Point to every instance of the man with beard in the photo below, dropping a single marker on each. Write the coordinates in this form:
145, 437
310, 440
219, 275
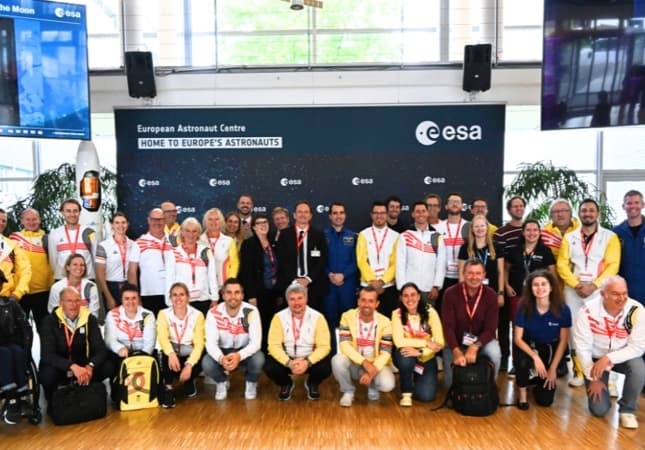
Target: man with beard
588, 255
245, 209
394, 221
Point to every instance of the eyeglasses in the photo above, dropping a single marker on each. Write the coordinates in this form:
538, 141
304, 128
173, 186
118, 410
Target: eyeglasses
560, 211
262, 222
379, 213
455, 202
156, 219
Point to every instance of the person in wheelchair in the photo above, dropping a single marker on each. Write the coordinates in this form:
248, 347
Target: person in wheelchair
72, 347
15, 354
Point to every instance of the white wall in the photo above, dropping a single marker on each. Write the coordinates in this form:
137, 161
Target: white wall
514, 86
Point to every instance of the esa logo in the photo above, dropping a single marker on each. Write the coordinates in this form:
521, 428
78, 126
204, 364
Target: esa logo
185, 209
428, 132
322, 209
358, 181
148, 183
259, 209
290, 182
214, 182
60, 13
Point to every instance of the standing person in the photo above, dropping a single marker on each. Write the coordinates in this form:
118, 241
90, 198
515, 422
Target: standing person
302, 252
180, 333
244, 210
393, 204
421, 256
418, 336
542, 326
113, 261
259, 272
299, 343
341, 269
14, 263
150, 261
507, 236
233, 340
280, 217
433, 202
76, 277
376, 257
33, 241
233, 228
587, 256
562, 222
480, 206
171, 226
469, 318
71, 237
609, 334
365, 350
631, 233
192, 264
224, 250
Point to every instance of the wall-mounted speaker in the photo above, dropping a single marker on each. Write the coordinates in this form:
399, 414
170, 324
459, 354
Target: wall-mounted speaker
477, 67
141, 74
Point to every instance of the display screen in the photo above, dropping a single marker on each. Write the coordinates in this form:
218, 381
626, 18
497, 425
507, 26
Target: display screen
44, 86
593, 72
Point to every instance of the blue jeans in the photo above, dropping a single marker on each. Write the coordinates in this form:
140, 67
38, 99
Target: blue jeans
422, 386
13, 367
251, 365
634, 370
491, 350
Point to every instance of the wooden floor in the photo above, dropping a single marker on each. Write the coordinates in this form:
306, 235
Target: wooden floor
267, 423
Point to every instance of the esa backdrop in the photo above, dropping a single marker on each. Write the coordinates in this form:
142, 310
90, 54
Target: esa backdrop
201, 158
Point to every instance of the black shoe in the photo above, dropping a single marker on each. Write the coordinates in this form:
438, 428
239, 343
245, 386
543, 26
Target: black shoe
503, 367
522, 405
313, 393
285, 391
12, 413
511, 373
167, 399
190, 390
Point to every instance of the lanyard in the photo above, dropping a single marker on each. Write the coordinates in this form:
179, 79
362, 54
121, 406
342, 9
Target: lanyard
192, 257
366, 339
296, 333
416, 333
213, 243
469, 312
611, 326
587, 243
527, 258
69, 339
269, 252
72, 247
183, 331
479, 254
379, 246
123, 248
453, 243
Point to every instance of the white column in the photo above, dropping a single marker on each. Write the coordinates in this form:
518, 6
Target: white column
134, 24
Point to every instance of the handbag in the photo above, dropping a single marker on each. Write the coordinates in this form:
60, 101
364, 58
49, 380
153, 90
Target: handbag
75, 404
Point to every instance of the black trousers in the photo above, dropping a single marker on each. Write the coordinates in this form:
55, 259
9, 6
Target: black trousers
154, 303
281, 375
37, 305
168, 375
51, 377
388, 301
523, 363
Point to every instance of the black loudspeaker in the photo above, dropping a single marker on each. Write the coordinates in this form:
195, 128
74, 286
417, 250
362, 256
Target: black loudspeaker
141, 74
477, 67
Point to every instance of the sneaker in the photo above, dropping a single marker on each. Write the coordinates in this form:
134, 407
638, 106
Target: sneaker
373, 394
577, 381
12, 412
251, 390
285, 391
406, 399
511, 373
628, 420
612, 384
313, 392
167, 399
346, 399
190, 390
221, 390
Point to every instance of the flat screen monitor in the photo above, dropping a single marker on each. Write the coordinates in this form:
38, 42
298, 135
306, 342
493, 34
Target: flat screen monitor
44, 86
593, 72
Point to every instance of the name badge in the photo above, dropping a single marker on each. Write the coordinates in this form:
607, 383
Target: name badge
585, 277
485, 281
315, 253
453, 267
194, 294
418, 368
469, 339
81, 330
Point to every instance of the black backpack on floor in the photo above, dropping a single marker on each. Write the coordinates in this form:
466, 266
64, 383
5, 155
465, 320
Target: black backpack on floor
474, 390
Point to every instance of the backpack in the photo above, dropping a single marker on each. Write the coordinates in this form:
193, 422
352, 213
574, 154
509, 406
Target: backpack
474, 390
138, 383
7, 318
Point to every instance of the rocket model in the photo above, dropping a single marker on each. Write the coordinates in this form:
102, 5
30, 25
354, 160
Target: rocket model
89, 187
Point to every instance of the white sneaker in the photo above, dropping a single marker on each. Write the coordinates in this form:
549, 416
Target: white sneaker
373, 393
628, 420
347, 399
221, 391
576, 381
406, 399
251, 391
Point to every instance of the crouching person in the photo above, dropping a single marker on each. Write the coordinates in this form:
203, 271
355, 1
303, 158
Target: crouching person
233, 339
365, 350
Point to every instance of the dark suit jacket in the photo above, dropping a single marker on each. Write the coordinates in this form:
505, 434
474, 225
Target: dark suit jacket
251, 273
287, 251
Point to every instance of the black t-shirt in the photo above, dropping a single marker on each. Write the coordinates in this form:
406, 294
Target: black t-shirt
483, 254
521, 265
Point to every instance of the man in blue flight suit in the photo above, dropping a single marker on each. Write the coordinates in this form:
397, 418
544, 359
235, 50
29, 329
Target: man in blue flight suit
341, 268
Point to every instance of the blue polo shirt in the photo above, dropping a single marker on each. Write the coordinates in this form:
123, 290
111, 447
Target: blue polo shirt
543, 328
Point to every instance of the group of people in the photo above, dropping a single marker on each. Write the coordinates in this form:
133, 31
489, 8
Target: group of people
294, 300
